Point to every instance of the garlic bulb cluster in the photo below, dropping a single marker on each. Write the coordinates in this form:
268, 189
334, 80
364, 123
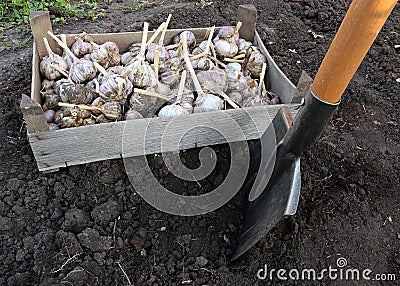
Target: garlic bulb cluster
52, 65
80, 47
97, 83
106, 54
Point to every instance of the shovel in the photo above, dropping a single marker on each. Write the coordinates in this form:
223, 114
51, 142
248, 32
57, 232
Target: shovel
278, 197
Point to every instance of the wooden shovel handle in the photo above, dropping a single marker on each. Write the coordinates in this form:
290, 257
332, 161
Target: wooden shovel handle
360, 27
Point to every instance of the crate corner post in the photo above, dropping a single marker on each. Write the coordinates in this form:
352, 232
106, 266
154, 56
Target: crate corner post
247, 14
33, 115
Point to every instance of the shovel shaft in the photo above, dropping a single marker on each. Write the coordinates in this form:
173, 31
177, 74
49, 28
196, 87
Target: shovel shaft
355, 36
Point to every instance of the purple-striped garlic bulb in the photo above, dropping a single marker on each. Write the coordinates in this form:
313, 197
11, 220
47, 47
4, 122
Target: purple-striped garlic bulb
53, 65
80, 47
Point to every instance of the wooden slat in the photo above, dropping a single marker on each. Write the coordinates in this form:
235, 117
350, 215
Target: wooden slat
40, 24
74, 146
247, 14
33, 115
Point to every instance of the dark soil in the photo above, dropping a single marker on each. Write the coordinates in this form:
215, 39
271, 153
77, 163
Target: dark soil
79, 225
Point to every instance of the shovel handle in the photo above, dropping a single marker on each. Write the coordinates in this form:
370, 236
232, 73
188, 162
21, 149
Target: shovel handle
360, 27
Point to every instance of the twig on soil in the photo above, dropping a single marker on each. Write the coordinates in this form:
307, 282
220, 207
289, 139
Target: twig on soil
123, 271
65, 263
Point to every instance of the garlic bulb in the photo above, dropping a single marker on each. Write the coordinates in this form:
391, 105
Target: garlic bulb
203, 63
244, 45
48, 63
51, 100
135, 48
209, 102
132, 114
164, 54
49, 115
47, 84
176, 108
256, 60
82, 70
200, 48
116, 88
170, 77
75, 93
237, 81
112, 110
229, 34
187, 100
80, 48
116, 70
128, 57
106, 54
190, 38
172, 110
214, 80
236, 97
142, 74
225, 48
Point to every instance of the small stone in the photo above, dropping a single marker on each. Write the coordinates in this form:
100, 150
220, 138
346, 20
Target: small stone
91, 239
27, 158
76, 220
107, 212
201, 261
14, 184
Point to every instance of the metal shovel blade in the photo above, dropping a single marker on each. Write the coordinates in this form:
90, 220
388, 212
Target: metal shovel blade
272, 197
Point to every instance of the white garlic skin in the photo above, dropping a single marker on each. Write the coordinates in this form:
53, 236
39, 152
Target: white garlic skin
226, 49
170, 77
237, 81
116, 88
244, 45
172, 110
255, 63
82, 71
142, 74
203, 63
190, 38
236, 97
46, 66
209, 102
80, 48
163, 53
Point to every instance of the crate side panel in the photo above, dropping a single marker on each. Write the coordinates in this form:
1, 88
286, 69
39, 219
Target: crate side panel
278, 81
74, 146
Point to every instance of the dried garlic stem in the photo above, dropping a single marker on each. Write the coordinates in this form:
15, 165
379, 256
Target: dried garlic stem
156, 33
240, 56
144, 38
60, 70
161, 42
156, 60
126, 72
205, 52
63, 45
230, 60
238, 25
100, 68
48, 49
228, 99
262, 75
181, 87
80, 106
214, 57
150, 93
189, 66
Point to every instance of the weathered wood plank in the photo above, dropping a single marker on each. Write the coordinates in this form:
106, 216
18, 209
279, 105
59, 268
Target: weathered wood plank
247, 14
73, 146
40, 24
33, 115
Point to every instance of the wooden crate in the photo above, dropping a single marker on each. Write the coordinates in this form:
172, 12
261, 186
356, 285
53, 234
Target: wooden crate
79, 145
